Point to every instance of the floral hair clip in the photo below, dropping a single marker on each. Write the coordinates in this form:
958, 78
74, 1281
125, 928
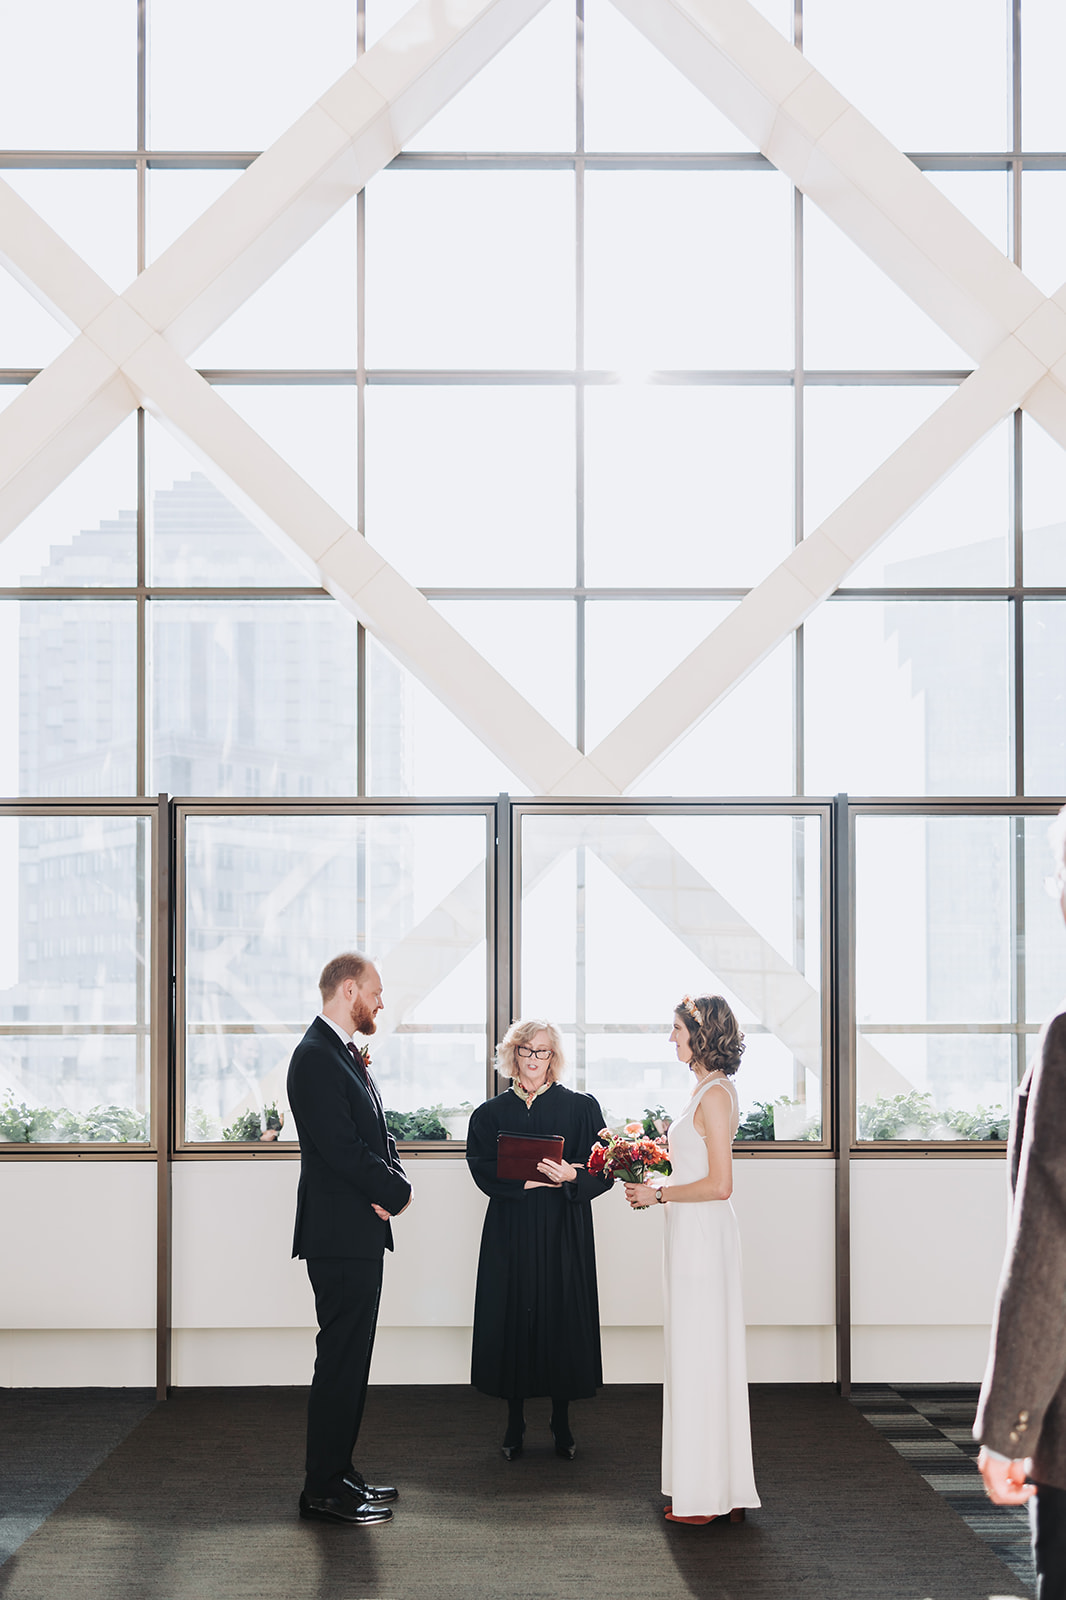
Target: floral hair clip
693, 1010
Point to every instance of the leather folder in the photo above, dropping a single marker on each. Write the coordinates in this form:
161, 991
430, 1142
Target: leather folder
517, 1154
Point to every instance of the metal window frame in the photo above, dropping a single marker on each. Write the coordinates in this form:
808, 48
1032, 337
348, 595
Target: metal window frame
154, 1028
187, 808
1007, 807
520, 809
1012, 161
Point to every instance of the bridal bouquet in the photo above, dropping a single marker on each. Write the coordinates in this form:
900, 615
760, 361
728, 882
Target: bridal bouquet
629, 1155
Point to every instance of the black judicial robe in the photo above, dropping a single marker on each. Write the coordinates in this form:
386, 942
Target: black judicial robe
536, 1309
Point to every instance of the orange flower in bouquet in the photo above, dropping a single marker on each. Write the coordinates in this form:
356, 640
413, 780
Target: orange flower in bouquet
629, 1155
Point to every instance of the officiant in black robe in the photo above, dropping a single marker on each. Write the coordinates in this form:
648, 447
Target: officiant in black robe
536, 1309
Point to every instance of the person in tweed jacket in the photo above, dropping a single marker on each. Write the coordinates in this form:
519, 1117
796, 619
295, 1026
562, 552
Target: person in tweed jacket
1021, 1416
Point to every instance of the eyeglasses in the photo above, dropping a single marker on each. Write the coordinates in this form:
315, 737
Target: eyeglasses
525, 1051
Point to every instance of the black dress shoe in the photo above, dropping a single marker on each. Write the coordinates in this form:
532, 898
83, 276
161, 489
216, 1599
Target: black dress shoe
343, 1508
375, 1494
510, 1449
565, 1448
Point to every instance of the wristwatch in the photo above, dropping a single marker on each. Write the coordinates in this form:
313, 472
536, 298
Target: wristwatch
660, 1197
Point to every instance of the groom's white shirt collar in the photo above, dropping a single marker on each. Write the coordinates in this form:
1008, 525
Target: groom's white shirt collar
345, 1038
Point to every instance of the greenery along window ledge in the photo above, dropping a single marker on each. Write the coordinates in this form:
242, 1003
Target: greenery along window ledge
24, 1124
911, 1117
429, 1123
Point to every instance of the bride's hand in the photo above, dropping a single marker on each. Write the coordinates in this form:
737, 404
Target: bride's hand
640, 1195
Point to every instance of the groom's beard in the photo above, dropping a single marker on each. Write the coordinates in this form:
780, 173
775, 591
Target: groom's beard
363, 1021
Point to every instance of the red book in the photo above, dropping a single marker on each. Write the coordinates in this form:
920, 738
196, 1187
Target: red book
517, 1154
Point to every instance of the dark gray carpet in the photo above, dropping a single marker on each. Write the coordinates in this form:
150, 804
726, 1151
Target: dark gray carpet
199, 1501
50, 1439
931, 1426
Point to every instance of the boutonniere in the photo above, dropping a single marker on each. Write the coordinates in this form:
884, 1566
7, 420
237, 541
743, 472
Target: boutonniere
363, 1053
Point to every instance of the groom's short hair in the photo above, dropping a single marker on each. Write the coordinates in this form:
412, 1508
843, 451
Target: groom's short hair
352, 964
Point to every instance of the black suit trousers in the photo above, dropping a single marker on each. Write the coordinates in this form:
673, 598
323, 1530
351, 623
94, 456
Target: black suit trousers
347, 1292
1047, 1519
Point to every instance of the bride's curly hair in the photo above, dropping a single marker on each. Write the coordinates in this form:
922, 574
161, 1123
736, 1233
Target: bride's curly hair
714, 1038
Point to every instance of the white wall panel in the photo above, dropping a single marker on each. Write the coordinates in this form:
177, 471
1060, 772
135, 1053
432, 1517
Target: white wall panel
77, 1273
927, 1240
919, 1355
232, 1245
77, 1248
77, 1358
926, 1248
787, 1231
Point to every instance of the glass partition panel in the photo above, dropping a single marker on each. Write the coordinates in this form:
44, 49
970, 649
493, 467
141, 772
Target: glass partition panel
493, 500
623, 913
416, 746
68, 76
469, 269
236, 76
664, 251
1045, 946
68, 697
702, 475
268, 899
1045, 688
943, 976
257, 697
75, 989
83, 534
924, 699
928, 77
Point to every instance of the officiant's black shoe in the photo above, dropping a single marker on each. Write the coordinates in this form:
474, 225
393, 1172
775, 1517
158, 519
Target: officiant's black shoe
376, 1494
565, 1447
509, 1448
343, 1508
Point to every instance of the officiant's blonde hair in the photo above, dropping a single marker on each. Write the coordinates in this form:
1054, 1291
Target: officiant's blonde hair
521, 1033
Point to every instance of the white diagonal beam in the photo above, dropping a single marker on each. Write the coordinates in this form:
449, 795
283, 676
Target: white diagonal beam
720, 936
757, 77
775, 607
341, 560
881, 200
351, 133
874, 194
354, 130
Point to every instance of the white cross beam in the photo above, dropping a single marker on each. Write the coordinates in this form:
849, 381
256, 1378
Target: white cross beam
918, 238
130, 347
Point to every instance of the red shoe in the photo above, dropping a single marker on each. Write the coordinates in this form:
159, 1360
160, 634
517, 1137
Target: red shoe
736, 1515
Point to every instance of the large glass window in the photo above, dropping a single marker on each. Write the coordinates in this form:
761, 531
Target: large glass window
75, 977
957, 963
269, 899
623, 913
583, 368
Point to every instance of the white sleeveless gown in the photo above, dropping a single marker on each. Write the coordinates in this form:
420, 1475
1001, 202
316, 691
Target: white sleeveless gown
707, 1467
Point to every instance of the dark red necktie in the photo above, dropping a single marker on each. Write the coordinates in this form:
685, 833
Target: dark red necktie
360, 1063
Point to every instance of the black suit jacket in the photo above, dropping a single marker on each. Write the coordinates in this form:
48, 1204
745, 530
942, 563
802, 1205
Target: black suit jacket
347, 1155
1022, 1410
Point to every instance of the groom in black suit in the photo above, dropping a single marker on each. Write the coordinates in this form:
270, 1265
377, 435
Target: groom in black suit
351, 1183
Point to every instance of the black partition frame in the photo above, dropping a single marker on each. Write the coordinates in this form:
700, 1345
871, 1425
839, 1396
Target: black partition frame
184, 810
821, 810
503, 819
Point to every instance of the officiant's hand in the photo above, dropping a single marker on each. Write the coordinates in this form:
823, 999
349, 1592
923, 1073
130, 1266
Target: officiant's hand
557, 1171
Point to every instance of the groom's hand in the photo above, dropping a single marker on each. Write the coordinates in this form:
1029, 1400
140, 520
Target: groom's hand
1005, 1482
382, 1213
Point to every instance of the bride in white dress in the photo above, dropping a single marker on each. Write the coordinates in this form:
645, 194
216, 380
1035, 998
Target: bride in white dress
707, 1467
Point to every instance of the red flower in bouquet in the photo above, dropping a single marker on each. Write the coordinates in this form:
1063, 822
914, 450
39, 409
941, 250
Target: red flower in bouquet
628, 1155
